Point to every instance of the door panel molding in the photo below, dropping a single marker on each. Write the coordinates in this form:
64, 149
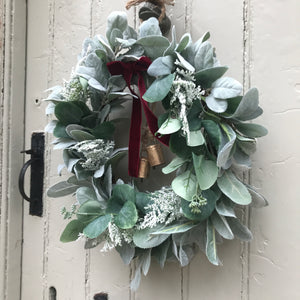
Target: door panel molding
12, 87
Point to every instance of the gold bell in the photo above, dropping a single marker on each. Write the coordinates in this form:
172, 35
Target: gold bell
143, 168
155, 155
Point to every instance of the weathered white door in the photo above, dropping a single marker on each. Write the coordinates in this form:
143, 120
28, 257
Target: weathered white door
52, 270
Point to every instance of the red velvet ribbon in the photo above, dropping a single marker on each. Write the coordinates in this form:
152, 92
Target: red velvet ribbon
128, 69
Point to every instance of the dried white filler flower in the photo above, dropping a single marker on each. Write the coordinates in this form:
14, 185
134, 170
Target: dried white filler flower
165, 207
185, 92
116, 236
73, 90
96, 152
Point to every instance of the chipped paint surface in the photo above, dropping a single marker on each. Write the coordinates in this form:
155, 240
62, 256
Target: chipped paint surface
261, 45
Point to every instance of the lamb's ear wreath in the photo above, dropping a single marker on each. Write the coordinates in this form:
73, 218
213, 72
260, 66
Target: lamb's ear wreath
204, 125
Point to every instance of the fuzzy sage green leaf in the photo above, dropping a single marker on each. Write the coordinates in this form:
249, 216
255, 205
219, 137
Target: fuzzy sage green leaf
159, 89
206, 171
234, 189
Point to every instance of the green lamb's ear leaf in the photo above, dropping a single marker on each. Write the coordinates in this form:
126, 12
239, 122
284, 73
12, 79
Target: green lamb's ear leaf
214, 132
161, 252
71, 127
161, 66
226, 87
178, 146
195, 138
225, 208
118, 20
176, 163
258, 200
126, 252
104, 131
50, 126
211, 244
206, 171
247, 145
150, 27
205, 78
80, 135
99, 173
205, 210
185, 185
171, 49
162, 118
68, 113
84, 108
116, 83
233, 104
176, 228
251, 130
96, 85
114, 36
97, 227
59, 131
144, 238
72, 231
127, 216
81, 173
84, 194
154, 45
101, 53
234, 189
241, 158
89, 121
215, 104
193, 116
239, 230
204, 58
248, 108
62, 143
204, 38
61, 189
159, 89
184, 63
184, 41
228, 140
170, 126
221, 225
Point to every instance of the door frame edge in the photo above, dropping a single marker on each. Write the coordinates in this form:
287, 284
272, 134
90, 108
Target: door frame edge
12, 111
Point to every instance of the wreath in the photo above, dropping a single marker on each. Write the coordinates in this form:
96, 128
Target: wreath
203, 124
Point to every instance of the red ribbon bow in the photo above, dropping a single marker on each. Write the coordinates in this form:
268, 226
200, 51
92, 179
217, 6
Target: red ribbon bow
128, 69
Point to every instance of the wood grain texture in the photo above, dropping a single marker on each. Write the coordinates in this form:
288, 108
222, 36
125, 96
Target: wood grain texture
12, 57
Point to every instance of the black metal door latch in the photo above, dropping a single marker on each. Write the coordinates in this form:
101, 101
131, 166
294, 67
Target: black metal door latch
36, 175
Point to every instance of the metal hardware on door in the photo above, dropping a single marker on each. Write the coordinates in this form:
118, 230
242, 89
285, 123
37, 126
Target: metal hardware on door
36, 163
101, 296
52, 293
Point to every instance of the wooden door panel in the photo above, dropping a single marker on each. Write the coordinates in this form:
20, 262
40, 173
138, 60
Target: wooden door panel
55, 34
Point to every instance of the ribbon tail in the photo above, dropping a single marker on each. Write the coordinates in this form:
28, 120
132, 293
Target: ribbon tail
135, 139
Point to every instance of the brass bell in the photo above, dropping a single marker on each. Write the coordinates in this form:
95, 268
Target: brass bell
155, 155
143, 168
